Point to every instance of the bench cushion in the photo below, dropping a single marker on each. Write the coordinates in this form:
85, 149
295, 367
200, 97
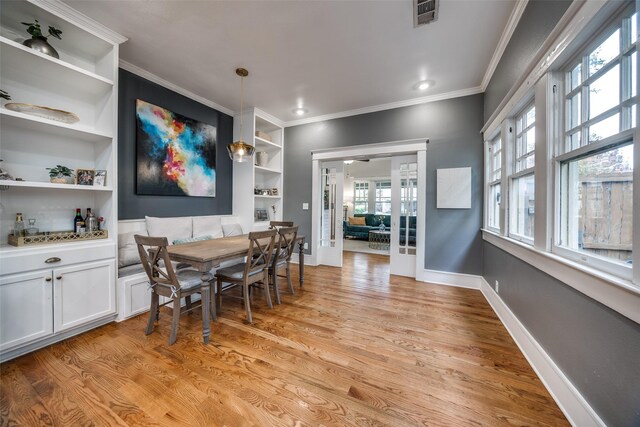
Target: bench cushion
207, 226
171, 228
232, 230
127, 249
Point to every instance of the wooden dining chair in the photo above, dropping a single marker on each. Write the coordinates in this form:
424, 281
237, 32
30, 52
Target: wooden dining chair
275, 225
285, 245
253, 272
166, 282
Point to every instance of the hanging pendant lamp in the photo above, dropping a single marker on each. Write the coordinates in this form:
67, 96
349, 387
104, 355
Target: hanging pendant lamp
240, 151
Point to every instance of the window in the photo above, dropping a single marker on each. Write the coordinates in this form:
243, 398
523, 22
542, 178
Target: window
494, 174
596, 156
409, 196
360, 197
522, 181
383, 198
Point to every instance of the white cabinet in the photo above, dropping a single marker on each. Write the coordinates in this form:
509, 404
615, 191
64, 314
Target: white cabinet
258, 186
83, 293
26, 308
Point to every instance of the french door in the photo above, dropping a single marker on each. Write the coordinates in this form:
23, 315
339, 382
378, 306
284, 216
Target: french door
405, 200
331, 191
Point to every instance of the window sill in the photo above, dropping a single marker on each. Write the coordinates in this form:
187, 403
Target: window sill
616, 293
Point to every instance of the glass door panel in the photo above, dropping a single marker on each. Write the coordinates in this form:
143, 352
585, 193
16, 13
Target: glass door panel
331, 190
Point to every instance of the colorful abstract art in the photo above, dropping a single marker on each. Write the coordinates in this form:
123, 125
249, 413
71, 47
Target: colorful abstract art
176, 154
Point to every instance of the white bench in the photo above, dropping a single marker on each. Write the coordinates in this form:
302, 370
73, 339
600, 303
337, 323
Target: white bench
133, 285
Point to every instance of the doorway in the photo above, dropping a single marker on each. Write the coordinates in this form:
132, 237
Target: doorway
402, 229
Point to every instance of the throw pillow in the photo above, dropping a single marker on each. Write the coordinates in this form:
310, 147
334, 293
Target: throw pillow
171, 228
357, 220
191, 239
232, 230
207, 226
127, 249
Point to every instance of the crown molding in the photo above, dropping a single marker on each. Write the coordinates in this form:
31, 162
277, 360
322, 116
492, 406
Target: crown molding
269, 117
162, 82
512, 23
81, 20
389, 106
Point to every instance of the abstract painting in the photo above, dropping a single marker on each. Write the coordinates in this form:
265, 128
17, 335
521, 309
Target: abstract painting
176, 154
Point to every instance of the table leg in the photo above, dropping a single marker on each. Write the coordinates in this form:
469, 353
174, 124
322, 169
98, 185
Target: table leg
206, 302
301, 261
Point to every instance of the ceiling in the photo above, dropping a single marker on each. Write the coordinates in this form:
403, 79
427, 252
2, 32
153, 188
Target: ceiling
325, 56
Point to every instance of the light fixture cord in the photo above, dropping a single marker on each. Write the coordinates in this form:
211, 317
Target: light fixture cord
241, 97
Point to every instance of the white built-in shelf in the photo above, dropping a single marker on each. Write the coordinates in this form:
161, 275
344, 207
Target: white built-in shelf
266, 143
89, 244
42, 125
260, 196
51, 185
38, 69
268, 170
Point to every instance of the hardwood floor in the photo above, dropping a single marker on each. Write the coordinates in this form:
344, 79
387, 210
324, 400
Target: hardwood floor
354, 347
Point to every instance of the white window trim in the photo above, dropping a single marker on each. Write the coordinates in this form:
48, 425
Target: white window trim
489, 156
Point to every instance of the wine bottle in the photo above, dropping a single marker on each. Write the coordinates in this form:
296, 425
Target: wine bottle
78, 222
18, 228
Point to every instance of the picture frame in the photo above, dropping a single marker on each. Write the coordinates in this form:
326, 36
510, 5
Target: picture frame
261, 214
85, 176
274, 192
100, 178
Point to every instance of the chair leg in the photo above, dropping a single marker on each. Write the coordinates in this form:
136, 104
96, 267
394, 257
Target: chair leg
175, 319
289, 278
267, 294
155, 305
247, 302
187, 300
274, 280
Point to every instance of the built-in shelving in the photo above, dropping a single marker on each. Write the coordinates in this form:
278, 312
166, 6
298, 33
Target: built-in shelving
53, 185
10, 118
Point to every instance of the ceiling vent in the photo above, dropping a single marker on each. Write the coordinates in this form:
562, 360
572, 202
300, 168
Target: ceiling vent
424, 12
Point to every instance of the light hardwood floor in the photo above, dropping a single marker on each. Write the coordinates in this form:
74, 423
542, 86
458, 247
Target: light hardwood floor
355, 347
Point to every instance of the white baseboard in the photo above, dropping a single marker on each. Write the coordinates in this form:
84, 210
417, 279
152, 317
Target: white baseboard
450, 279
571, 402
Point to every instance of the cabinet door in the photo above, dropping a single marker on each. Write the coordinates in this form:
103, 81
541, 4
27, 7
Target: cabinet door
26, 308
83, 293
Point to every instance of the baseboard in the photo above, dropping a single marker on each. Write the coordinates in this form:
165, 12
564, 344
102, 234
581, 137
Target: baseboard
308, 259
571, 402
450, 279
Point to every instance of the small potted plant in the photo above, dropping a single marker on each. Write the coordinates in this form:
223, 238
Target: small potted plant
61, 175
38, 41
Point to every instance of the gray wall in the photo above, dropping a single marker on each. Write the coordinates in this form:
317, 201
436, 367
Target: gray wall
537, 21
597, 348
132, 206
453, 241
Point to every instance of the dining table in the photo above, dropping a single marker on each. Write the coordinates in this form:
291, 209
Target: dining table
205, 255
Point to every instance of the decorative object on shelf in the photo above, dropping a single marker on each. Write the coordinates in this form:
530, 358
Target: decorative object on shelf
239, 151
274, 191
100, 178
60, 175
257, 191
5, 176
261, 214
56, 237
263, 135
18, 226
266, 192
38, 41
176, 154
274, 210
262, 158
44, 112
91, 222
381, 225
5, 95
32, 230
85, 176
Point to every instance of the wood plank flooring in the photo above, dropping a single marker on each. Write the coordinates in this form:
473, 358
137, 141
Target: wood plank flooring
355, 347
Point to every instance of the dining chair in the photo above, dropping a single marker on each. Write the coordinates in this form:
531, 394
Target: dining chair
274, 225
252, 272
165, 281
282, 258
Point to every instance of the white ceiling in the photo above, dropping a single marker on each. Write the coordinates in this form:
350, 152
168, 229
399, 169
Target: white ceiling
325, 56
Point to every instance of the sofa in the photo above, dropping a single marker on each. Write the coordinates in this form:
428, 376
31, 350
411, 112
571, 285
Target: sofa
372, 222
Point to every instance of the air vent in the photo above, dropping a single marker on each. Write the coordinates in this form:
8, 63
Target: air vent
424, 12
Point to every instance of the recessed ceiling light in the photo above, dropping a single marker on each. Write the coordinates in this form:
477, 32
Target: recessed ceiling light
423, 85
300, 111
348, 162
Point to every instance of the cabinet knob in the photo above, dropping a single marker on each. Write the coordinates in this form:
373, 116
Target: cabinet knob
52, 260
48, 279
59, 277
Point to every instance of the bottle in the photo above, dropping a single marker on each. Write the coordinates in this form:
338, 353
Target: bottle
90, 221
18, 228
78, 222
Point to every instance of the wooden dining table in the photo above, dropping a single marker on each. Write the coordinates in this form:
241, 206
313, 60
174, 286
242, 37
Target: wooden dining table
208, 254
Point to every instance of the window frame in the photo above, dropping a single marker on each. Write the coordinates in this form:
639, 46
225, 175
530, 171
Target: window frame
356, 199
496, 174
378, 186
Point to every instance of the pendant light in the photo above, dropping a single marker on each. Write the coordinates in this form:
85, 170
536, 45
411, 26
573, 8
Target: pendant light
240, 151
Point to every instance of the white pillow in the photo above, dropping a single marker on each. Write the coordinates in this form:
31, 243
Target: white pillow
171, 228
232, 230
127, 249
207, 226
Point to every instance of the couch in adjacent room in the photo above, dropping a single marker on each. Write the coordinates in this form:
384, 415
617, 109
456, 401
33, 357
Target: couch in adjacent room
359, 225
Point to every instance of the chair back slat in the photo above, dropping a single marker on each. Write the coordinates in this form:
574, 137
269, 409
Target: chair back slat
286, 244
274, 225
151, 251
261, 245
